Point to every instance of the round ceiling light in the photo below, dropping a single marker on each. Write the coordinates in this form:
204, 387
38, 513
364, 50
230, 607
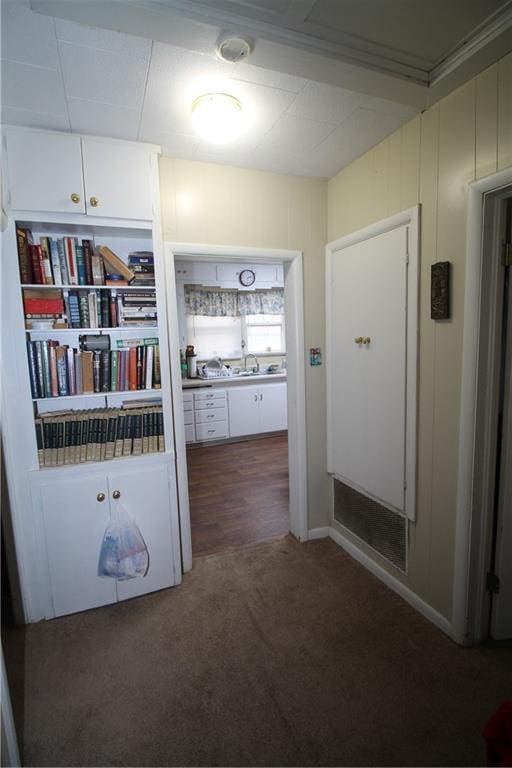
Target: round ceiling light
217, 117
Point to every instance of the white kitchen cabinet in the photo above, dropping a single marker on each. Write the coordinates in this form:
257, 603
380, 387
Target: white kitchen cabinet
117, 180
244, 414
273, 407
67, 173
264, 273
75, 516
74, 523
193, 271
45, 171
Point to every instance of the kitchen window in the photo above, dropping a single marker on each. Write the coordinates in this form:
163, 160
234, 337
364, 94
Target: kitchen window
215, 336
263, 334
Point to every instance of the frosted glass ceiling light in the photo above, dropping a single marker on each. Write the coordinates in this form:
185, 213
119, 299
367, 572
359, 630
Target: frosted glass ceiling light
217, 117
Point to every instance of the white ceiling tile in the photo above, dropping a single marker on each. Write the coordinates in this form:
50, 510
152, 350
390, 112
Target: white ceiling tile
102, 39
294, 135
50, 120
173, 144
361, 131
389, 107
261, 104
103, 119
323, 102
33, 88
251, 74
112, 78
28, 37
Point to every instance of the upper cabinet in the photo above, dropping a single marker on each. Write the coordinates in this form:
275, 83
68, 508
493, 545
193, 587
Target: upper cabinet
45, 171
67, 173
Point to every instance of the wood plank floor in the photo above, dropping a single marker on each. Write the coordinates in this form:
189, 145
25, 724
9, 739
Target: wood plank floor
238, 493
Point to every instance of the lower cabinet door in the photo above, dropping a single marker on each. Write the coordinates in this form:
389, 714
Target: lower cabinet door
74, 523
147, 496
273, 407
244, 416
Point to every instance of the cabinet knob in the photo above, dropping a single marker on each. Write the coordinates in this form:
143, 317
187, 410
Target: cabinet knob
116, 495
358, 340
366, 340
94, 202
100, 497
75, 198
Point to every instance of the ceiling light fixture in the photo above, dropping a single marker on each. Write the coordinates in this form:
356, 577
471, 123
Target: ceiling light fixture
217, 117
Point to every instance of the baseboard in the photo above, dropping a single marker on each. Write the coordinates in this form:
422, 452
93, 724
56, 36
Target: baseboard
393, 583
318, 533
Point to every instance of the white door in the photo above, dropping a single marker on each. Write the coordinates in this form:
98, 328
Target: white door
272, 400
74, 523
368, 365
147, 496
244, 416
501, 615
45, 171
117, 180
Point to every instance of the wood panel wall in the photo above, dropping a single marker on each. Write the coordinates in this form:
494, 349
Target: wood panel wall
431, 160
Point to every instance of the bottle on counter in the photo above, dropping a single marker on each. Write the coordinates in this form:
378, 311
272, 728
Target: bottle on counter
191, 359
183, 365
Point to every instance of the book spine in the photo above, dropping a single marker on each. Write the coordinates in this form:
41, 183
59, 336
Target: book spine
24, 241
37, 264
55, 260
157, 381
128, 435
46, 261
62, 373
118, 451
63, 262
70, 355
113, 309
140, 365
111, 435
145, 431
87, 372
132, 371
46, 369
149, 367
39, 440
114, 364
87, 251
161, 441
105, 370
69, 244
83, 307
137, 434
93, 311
78, 372
97, 370
32, 369
80, 264
39, 367
53, 369
85, 437
105, 309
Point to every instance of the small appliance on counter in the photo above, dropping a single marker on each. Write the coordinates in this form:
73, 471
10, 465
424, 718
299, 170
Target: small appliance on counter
214, 369
191, 358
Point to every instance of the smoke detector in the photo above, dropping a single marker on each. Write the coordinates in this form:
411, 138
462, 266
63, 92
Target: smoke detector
233, 49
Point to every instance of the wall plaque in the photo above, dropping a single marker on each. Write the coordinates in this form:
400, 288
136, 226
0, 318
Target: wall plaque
440, 291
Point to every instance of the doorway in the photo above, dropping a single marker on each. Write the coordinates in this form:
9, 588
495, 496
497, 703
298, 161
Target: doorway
291, 447
483, 583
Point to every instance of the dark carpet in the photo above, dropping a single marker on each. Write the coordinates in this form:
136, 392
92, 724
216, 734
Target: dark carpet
275, 654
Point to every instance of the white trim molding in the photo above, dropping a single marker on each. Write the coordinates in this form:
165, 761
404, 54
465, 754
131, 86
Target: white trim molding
296, 379
318, 533
466, 517
411, 219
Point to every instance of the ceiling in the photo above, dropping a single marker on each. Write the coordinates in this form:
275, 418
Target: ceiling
309, 114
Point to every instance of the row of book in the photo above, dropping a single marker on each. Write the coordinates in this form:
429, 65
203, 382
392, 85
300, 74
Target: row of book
67, 261
100, 434
91, 308
58, 370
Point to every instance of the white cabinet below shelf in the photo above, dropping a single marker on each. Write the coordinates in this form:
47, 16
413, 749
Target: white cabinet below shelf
74, 522
273, 407
257, 409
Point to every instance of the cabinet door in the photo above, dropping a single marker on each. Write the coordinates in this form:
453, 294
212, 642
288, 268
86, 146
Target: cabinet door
273, 405
118, 179
45, 171
145, 494
243, 411
74, 523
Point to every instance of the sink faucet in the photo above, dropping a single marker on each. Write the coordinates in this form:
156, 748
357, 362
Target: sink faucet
256, 368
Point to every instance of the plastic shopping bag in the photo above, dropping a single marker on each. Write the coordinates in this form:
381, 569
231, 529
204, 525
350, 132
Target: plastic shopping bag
124, 554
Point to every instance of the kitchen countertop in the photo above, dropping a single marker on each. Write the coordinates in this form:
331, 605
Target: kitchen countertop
229, 381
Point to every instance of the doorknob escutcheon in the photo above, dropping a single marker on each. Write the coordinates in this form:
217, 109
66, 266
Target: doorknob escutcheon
75, 197
94, 202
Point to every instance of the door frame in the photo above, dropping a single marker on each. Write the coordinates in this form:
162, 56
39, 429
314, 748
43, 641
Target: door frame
296, 374
472, 553
410, 218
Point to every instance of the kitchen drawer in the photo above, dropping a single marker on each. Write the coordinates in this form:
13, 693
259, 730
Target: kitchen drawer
202, 405
188, 406
189, 417
213, 431
190, 433
211, 394
188, 397
206, 415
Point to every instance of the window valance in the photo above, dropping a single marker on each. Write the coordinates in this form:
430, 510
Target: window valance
218, 302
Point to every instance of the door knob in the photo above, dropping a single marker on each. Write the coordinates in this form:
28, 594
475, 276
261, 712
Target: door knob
100, 497
358, 340
94, 202
116, 495
366, 340
75, 198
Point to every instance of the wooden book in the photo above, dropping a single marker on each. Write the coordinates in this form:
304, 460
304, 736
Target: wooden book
87, 373
114, 264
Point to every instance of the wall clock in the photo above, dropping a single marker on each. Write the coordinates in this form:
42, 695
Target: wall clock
247, 277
